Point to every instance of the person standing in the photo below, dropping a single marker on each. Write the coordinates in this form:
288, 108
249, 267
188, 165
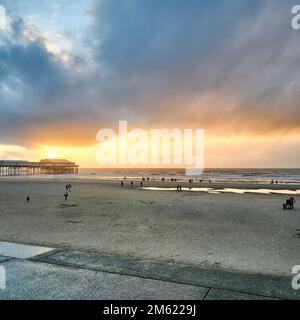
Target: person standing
66, 195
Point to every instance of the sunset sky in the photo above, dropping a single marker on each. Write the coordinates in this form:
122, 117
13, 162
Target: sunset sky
71, 67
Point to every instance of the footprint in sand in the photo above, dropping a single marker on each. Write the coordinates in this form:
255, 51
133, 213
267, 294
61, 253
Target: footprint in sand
74, 221
297, 235
65, 205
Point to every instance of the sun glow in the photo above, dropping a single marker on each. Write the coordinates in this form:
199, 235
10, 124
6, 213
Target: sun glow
51, 155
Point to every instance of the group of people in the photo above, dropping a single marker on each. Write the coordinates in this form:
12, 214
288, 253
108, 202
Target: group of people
131, 183
274, 181
66, 194
68, 189
289, 203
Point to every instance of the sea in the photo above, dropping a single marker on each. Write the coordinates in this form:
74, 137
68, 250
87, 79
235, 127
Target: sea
283, 176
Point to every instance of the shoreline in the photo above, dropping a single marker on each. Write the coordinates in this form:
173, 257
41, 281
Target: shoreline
159, 184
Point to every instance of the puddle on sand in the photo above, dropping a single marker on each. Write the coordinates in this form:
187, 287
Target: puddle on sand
227, 190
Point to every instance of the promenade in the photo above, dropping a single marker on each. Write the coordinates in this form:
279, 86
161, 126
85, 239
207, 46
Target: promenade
34, 272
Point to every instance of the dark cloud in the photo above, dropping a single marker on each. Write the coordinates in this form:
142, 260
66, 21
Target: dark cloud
226, 65
165, 59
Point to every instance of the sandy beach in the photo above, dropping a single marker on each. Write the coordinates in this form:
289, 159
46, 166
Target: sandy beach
248, 232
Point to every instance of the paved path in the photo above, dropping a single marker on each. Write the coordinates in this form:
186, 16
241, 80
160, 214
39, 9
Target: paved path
47, 273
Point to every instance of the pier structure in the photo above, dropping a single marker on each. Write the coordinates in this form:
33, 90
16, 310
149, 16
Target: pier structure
45, 166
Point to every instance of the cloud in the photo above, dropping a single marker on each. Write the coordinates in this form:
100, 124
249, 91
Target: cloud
230, 67
175, 57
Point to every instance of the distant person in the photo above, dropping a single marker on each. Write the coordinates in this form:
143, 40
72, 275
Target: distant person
276, 181
141, 184
28, 199
122, 184
66, 195
272, 182
131, 183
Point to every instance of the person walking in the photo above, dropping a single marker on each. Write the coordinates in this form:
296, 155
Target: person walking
66, 195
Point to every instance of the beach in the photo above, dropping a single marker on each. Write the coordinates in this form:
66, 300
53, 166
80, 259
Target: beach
247, 232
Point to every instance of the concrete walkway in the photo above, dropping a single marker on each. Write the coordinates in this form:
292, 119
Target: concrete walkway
47, 273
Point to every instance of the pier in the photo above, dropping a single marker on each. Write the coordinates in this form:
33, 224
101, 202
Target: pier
46, 166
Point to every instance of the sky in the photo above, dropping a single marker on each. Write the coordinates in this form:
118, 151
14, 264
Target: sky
71, 67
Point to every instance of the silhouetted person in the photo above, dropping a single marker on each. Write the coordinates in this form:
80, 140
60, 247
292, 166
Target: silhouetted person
289, 204
28, 199
122, 184
66, 195
131, 183
141, 184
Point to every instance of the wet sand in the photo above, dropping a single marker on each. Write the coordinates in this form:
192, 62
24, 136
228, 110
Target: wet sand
247, 232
